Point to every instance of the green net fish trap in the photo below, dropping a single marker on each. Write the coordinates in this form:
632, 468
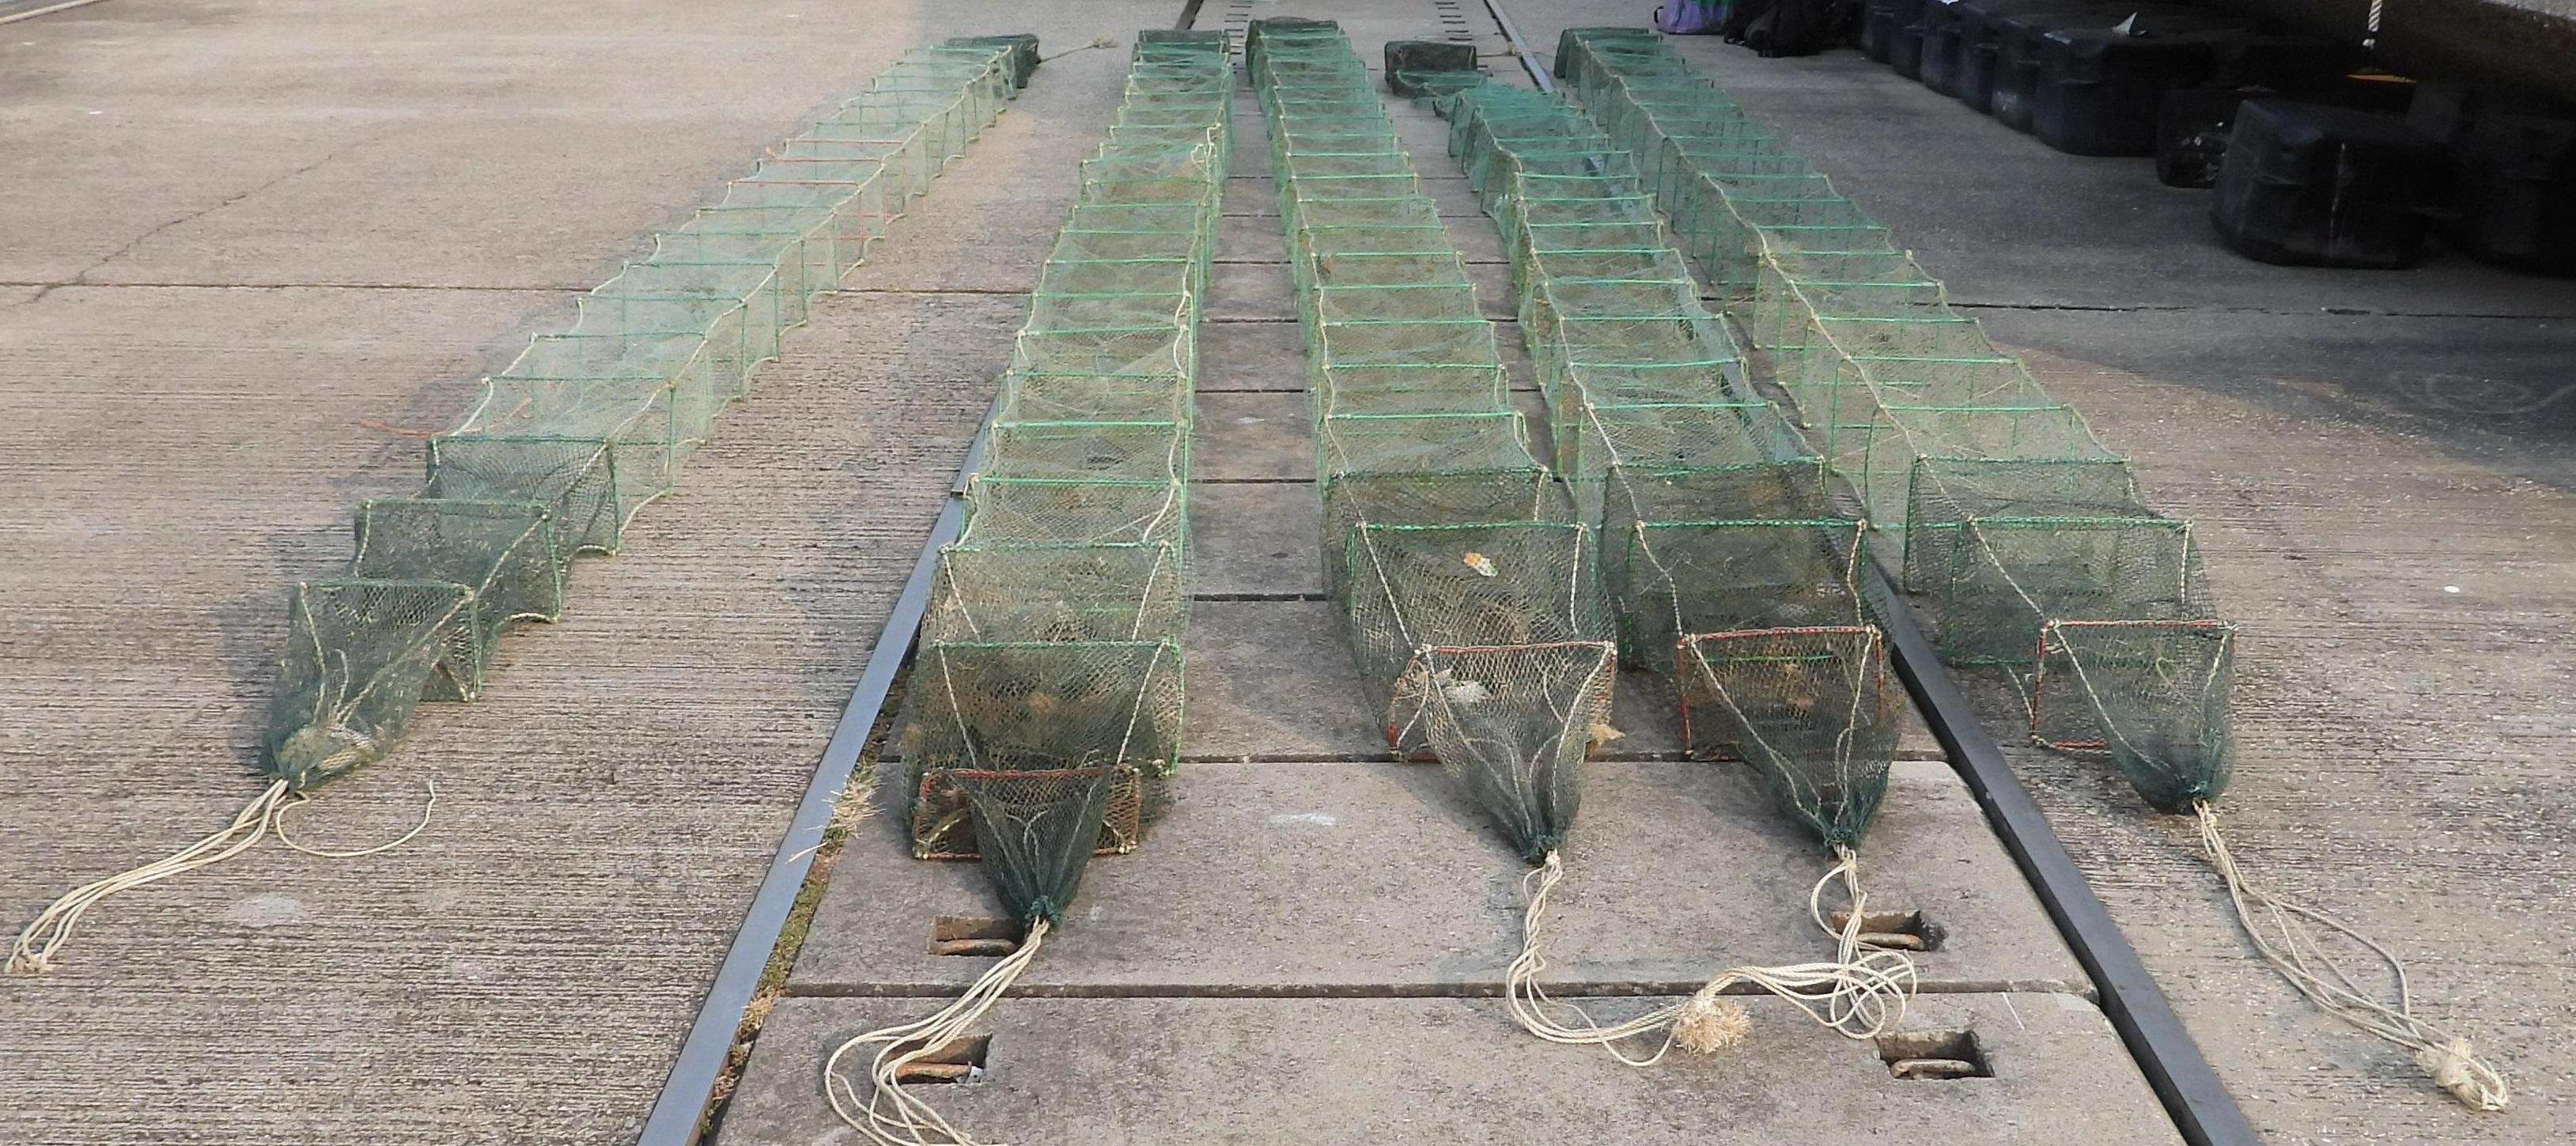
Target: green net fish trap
2023, 538
569, 441
1050, 658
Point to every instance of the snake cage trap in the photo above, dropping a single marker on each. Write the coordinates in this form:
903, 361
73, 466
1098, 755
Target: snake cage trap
1050, 659
2023, 539
1727, 573
569, 441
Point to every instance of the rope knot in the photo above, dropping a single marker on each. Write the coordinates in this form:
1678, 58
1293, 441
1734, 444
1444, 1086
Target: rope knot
1710, 1022
2455, 1067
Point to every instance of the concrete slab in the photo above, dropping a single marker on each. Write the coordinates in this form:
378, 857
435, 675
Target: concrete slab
1255, 540
1383, 879
1252, 353
1273, 680
1252, 437
2494, 394
1126, 1072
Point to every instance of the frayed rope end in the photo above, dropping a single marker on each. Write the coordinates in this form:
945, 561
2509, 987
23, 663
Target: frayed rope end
2455, 1067
1710, 1023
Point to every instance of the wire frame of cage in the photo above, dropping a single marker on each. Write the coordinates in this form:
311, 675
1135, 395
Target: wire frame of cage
2153, 695
1471, 600
590, 423
1051, 669
1734, 579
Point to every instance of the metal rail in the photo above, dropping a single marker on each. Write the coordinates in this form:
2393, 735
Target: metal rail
683, 1100
2173, 1065
2181, 1077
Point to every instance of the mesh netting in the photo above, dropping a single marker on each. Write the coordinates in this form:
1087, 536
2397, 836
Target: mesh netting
1049, 669
1733, 575
591, 422
2022, 534
1472, 595
566, 444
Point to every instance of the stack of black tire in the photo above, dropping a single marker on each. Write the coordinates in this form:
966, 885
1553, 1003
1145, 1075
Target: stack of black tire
2313, 159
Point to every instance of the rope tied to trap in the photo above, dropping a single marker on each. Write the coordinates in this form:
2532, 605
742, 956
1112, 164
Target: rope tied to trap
1859, 995
264, 816
890, 1115
2273, 924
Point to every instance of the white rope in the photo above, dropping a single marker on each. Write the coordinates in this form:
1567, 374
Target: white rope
33, 953
2304, 963
891, 1116
2372, 40
277, 824
264, 815
1859, 996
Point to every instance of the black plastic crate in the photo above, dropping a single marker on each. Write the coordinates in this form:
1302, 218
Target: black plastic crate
1939, 70
2023, 42
2325, 186
1980, 34
1905, 37
2100, 90
1879, 20
2193, 125
2018, 40
2516, 201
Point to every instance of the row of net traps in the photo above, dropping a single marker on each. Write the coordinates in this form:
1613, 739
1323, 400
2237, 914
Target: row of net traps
579, 432
1488, 598
1048, 676
2022, 536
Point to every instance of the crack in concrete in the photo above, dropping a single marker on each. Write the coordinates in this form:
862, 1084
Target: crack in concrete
55, 284
81, 277
2309, 312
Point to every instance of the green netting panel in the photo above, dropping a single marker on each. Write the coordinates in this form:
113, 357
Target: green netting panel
591, 422
1038, 511
2010, 575
1473, 604
1717, 550
588, 497
1944, 494
1093, 593
2153, 694
1050, 672
1486, 640
1420, 388
1039, 705
1099, 450
505, 553
1524, 492
359, 655
1813, 710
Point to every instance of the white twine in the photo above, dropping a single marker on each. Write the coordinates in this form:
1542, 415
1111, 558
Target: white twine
2305, 964
892, 1116
265, 814
1858, 996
